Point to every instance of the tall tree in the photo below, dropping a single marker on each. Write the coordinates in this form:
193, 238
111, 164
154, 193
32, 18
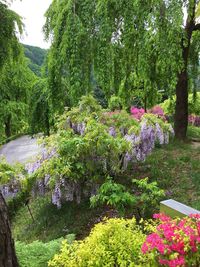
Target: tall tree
10, 23
181, 110
16, 81
9, 45
7, 252
40, 107
128, 46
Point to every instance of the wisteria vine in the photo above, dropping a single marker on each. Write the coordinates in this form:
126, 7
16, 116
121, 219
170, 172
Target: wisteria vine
91, 145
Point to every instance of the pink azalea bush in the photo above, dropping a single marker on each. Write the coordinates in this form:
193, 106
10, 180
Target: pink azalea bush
137, 113
157, 110
194, 120
176, 242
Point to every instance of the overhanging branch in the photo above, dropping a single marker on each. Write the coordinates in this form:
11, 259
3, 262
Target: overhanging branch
196, 27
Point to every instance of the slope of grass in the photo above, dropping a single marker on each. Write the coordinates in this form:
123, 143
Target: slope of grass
51, 223
176, 168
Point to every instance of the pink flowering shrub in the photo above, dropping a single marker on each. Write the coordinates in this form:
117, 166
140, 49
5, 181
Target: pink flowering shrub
137, 113
157, 110
194, 120
176, 242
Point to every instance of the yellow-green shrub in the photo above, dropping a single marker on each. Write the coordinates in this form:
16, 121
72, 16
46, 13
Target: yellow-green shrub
114, 242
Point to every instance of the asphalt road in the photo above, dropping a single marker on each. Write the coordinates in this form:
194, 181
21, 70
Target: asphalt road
21, 150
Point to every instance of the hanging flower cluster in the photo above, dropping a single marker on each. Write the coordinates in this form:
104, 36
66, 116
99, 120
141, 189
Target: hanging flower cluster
45, 154
90, 144
176, 242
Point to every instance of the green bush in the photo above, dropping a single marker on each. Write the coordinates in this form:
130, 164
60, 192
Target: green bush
37, 254
118, 196
115, 103
114, 242
193, 105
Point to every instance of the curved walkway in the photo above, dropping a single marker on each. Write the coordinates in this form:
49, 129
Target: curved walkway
21, 150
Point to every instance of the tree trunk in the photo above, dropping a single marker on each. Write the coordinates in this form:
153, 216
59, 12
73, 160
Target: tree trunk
8, 126
181, 110
7, 251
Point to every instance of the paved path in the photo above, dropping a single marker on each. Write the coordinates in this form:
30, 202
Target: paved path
20, 150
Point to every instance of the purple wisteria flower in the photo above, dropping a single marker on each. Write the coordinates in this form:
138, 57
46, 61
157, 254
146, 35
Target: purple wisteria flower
56, 195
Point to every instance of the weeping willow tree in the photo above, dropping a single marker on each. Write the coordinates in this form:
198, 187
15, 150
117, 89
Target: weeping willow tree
10, 23
9, 48
15, 84
130, 47
40, 107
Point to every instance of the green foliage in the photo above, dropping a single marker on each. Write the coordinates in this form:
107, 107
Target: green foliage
100, 96
121, 46
193, 105
15, 78
40, 108
194, 132
92, 155
15, 84
114, 195
91, 145
10, 23
37, 58
148, 197
115, 103
35, 54
37, 253
9, 173
115, 242
144, 196
198, 10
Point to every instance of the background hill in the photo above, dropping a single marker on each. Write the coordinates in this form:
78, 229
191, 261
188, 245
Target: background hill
37, 57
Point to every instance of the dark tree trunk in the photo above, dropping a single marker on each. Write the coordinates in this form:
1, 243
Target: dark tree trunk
181, 110
8, 126
7, 251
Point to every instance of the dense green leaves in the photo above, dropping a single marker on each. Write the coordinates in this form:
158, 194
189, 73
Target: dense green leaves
9, 45
40, 107
37, 58
122, 44
114, 242
15, 84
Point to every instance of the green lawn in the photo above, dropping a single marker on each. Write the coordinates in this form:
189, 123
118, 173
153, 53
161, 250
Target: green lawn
52, 223
176, 168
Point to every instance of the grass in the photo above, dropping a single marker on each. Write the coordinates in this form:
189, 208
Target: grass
52, 223
176, 168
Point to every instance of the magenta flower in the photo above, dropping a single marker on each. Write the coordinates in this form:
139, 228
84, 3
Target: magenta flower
176, 242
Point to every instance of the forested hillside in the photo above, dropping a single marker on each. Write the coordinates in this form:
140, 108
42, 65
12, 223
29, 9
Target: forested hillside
37, 57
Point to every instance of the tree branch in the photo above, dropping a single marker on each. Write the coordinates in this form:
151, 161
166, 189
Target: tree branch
196, 27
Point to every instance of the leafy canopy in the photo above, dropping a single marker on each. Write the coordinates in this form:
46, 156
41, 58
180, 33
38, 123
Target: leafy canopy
119, 44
